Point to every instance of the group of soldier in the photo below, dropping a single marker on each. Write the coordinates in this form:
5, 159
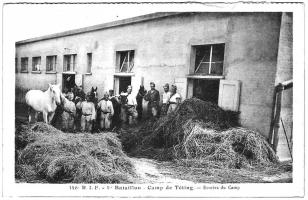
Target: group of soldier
81, 112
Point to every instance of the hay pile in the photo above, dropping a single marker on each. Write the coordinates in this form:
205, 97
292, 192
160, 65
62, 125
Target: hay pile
169, 130
202, 133
233, 148
45, 154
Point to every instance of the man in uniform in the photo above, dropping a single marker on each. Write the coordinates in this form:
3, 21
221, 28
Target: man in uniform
79, 97
106, 112
175, 99
165, 100
153, 101
131, 106
69, 112
88, 113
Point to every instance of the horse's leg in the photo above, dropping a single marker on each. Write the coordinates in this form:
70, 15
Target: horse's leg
29, 114
35, 114
50, 117
45, 117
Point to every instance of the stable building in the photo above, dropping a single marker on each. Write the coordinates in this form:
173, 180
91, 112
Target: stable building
232, 59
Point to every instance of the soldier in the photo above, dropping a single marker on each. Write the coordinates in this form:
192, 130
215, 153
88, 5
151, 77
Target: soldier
69, 112
165, 100
175, 99
131, 106
153, 97
106, 108
88, 113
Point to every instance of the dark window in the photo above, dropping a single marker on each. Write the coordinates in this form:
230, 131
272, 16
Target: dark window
89, 62
51, 62
24, 64
126, 60
124, 82
36, 63
209, 59
69, 62
206, 89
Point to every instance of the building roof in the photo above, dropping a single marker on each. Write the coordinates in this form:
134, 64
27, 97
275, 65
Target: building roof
112, 24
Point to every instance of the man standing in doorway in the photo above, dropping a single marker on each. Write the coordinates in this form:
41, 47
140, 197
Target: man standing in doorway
131, 106
106, 108
165, 101
153, 97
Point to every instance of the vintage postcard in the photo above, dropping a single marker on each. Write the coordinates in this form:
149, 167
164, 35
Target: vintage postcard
153, 99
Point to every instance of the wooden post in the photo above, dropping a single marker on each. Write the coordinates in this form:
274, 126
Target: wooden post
277, 117
270, 135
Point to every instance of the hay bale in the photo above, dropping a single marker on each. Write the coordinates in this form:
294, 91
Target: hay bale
25, 173
169, 130
232, 148
26, 133
59, 157
202, 133
23, 136
83, 169
44, 128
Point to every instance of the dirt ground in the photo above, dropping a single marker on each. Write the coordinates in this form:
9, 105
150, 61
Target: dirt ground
153, 171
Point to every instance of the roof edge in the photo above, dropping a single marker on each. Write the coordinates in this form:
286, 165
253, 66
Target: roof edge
111, 24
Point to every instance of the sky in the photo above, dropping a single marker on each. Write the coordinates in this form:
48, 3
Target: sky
28, 21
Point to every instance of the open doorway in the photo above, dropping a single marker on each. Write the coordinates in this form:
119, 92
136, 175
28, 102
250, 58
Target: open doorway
68, 82
123, 83
206, 90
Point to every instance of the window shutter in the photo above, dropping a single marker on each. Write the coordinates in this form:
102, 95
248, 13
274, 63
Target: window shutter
79, 79
229, 95
59, 78
116, 85
72, 67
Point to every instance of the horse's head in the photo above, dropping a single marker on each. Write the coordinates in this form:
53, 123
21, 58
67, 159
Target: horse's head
94, 92
55, 92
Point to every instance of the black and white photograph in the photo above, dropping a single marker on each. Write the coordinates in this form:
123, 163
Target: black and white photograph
135, 97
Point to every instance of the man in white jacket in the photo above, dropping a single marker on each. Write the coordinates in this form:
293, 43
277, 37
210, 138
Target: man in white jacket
88, 113
106, 109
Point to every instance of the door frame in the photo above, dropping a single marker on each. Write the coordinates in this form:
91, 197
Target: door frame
116, 80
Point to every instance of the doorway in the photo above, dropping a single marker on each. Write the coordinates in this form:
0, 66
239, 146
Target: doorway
206, 90
68, 82
123, 83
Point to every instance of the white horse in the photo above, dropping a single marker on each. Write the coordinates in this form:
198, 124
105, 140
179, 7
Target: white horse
45, 102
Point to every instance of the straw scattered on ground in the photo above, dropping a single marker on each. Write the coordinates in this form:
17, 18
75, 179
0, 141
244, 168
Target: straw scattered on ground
45, 154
